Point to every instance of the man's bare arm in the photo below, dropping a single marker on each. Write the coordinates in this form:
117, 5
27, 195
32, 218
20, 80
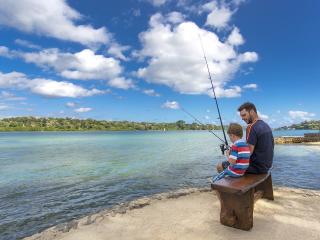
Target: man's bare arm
251, 147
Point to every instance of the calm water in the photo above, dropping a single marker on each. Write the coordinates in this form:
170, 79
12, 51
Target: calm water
51, 178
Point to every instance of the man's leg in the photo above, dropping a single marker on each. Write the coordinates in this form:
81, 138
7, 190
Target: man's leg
252, 169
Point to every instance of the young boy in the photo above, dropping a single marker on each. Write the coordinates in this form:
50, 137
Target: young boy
238, 155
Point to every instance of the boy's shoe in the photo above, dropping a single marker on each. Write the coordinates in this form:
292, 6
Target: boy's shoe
210, 180
211, 183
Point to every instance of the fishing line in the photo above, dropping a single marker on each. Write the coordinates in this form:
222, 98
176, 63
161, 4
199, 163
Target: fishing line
224, 146
200, 123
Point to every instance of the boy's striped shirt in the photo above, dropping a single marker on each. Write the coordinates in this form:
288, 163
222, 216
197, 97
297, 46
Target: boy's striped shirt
241, 153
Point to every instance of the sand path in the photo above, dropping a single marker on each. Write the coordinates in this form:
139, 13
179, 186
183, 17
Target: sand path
294, 215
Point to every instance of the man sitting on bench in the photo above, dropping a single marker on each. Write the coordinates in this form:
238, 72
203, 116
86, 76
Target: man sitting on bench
259, 138
237, 196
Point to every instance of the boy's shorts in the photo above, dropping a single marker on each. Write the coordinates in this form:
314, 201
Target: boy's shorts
225, 164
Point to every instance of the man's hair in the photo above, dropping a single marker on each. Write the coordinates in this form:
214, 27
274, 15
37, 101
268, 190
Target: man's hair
236, 129
247, 106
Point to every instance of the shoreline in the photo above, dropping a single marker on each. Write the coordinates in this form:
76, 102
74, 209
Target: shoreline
181, 214
307, 138
302, 143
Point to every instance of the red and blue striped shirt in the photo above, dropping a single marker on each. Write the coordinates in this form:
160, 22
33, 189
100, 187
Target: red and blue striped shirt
240, 152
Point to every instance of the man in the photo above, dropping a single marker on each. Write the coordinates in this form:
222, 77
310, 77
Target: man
259, 138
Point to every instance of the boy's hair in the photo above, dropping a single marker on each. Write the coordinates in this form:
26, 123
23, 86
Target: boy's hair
236, 129
247, 106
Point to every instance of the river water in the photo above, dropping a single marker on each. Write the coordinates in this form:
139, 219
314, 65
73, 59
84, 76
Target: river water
47, 178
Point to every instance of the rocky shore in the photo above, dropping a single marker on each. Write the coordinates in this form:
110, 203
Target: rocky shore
194, 214
313, 138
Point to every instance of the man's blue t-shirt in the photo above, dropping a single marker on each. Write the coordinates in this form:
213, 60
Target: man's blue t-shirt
260, 135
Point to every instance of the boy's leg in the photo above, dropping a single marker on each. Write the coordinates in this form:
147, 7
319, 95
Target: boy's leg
222, 166
220, 175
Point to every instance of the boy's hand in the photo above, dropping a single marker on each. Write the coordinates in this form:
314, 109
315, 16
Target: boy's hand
231, 161
228, 153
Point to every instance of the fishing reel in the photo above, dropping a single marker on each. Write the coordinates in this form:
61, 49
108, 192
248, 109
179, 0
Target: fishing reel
223, 148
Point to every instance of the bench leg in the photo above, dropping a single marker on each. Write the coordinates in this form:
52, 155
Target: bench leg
267, 188
237, 210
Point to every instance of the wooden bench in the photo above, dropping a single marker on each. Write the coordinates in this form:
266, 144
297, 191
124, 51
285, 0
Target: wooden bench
238, 195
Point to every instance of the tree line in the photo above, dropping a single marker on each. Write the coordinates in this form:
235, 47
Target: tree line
307, 125
70, 124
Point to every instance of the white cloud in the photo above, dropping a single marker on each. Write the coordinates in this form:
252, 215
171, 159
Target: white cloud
220, 12
83, 110
27, 44
172, 18
3, 107
251, 86
235, 38
238, 2
121, 82
219, 16
44, 87
52, 18
5, 52
248, 57
189, 6
71, 104
13, 80
175, 17
234, 91
50, 88
117, 50
151, 92
158, 3
175, 58
296, 115
7, 96
83, 65
263, 116
209, 6
171, 105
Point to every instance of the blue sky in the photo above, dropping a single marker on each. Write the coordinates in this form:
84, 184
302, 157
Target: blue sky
141, 60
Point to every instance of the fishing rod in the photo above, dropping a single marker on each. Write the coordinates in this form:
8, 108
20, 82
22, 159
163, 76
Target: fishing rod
225, 145
200, 123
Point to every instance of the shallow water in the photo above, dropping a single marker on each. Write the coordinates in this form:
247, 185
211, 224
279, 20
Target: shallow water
50, 178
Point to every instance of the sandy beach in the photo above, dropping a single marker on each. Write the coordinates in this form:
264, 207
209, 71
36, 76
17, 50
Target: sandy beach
194, 214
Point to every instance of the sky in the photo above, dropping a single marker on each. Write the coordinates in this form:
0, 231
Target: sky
142, 60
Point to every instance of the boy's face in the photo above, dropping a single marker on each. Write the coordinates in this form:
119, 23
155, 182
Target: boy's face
233, 137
